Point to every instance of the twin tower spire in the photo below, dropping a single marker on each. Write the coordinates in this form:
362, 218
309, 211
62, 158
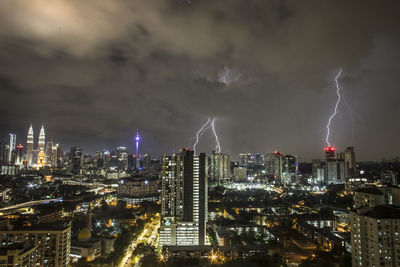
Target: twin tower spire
41, 156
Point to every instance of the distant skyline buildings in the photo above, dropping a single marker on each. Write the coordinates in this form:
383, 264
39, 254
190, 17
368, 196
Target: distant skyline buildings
220, 167
150, 147
12, 146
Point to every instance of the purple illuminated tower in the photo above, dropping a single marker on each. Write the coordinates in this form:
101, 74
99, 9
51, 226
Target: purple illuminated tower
137, 139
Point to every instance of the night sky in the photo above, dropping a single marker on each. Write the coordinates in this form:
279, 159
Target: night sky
94, 71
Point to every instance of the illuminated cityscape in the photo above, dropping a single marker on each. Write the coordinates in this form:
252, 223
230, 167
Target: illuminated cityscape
268, 133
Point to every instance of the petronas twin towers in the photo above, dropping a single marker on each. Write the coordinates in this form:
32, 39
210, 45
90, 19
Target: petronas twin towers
41, 155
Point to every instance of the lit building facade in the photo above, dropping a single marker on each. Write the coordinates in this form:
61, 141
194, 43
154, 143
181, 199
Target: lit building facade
29, 147
41, 160
375, 236
51, 241
136, 190
318, 171
245, 159
57, 156
273, 163
220, 167
11, 148
350, 162
49, 153
122, 159
240, 174
289, 170
184, 199
75, 159
19, 160
334, 166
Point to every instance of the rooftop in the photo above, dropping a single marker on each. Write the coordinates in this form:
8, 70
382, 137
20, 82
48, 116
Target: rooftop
369, 190
383, 212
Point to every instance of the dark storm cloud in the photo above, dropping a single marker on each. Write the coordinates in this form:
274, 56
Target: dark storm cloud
94, 71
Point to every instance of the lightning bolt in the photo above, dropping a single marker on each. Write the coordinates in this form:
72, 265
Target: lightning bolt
200, 133
216, 136
336, 106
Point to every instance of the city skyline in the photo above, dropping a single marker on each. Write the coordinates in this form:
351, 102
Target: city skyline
172, 133
208, 146
264, 69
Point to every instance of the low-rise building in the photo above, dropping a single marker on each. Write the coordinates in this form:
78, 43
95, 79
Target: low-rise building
136, 190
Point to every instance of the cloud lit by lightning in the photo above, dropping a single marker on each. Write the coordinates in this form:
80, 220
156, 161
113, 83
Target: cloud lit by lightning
228, 76
336, 107
218, 147
199, 133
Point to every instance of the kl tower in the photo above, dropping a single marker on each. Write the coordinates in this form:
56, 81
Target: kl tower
137, 139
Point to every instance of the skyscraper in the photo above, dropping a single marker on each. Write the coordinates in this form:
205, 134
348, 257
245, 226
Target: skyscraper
132, 162
5, 150
18, 155
122, 158
57, 156
11, 148
334, 166
75, 159
146, 162
41, 140
273, 163
318, 171
220, 167
289, 169
29, 147
350, 162
49, 153
184, 199
41, 160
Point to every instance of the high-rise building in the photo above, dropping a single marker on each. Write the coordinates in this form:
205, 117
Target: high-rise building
4, 152
318, 171
289, 169
41, 158
57, 156
106, 159
273, 163
122, 158
29, 147
334, 166
350, 162
245, 159
132, 162
42, 140
184, 199
51, 242
19, 155
220, 167
11, 148
375, 236
49, 153
75, 159
146, 162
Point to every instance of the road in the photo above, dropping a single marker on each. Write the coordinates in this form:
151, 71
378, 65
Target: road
144, 237
31, 203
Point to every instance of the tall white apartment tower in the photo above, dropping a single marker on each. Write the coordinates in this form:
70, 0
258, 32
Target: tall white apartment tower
184, 199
